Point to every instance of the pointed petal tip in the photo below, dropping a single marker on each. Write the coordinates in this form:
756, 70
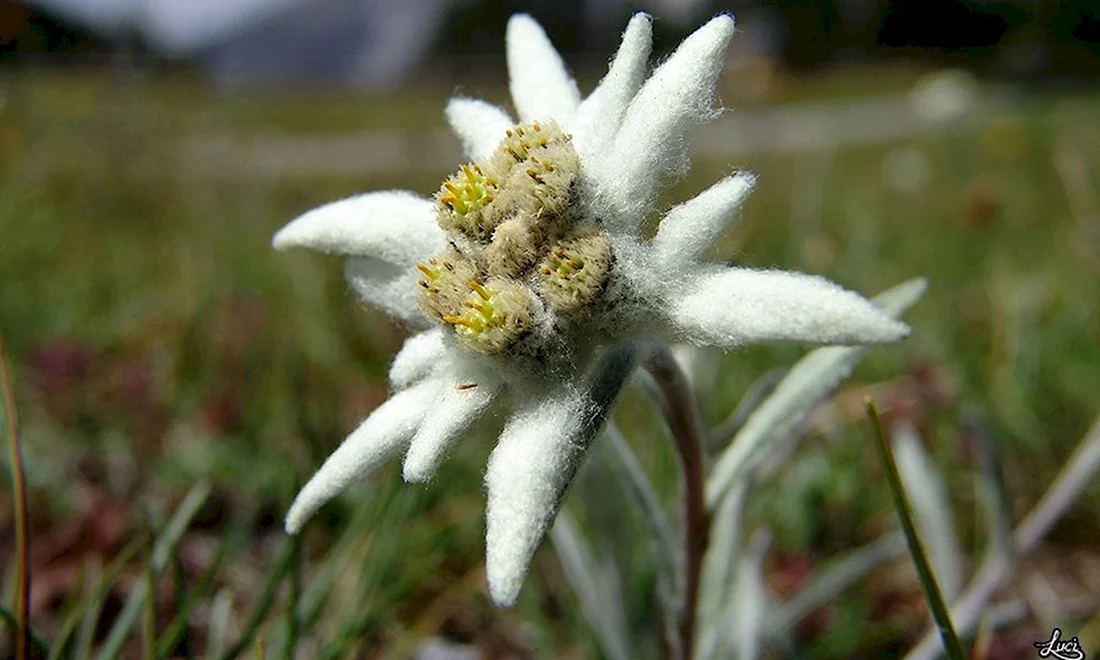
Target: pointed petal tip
417, 470
725, 19
297, 516
638, 34
879, 327
504, 593
304, 230
520, 22
640, 21
723, 24
506, 564
901, 331
316, 493
717, 31
285, 238
874, 327
478, 124
540, 84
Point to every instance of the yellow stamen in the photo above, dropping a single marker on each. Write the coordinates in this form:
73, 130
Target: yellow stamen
463, 197
431, 273
480, 290
469, 322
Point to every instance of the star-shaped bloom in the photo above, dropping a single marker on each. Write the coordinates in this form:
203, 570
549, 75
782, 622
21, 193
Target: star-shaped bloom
529, 280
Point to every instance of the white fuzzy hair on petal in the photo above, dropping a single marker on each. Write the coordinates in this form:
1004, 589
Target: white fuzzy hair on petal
679, 95
541, 87
528, 471
479, 125
688, 229
394, 226
384, 434
730, 307
599, 115
463, 399
418, 357
533, 464
388, 287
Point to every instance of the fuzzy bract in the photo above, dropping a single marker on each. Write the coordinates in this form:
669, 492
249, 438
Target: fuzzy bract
530, 285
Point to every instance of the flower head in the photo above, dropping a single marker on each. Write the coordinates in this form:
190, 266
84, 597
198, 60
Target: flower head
527, 275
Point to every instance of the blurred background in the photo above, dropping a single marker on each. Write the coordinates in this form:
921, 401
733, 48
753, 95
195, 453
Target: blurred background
166, 362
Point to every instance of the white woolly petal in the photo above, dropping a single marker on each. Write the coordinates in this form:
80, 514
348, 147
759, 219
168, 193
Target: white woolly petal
599, 115
418, 357
541, 87
389, 287
528, 473
734, 306
478, 124
539, 451
457, 407
395, 226
384, 434
690, 228
678, 95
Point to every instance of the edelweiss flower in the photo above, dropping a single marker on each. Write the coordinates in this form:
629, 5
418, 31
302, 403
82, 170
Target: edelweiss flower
530, 280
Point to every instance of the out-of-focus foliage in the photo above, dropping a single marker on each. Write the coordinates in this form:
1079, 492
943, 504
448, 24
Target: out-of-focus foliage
157, 341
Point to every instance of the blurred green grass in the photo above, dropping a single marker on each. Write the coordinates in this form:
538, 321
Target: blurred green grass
158, 341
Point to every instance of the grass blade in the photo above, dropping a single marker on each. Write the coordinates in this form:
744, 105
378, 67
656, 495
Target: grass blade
283, 562
94, 600
315, 596
719, 567
834, 578
929, 497
163, 548
992, 493
22, 525
295, 598
952, 646
751, 605
85, 637
373, 556
149, 616
41, 649
178, 627
638, 490
1074, 477
218, 629
602, 608
757, 394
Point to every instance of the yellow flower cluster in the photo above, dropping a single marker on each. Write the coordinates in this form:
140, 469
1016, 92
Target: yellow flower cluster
514, 242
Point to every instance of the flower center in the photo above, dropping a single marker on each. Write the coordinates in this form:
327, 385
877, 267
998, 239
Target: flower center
494, 315
574, 271
515, 246
462, 201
